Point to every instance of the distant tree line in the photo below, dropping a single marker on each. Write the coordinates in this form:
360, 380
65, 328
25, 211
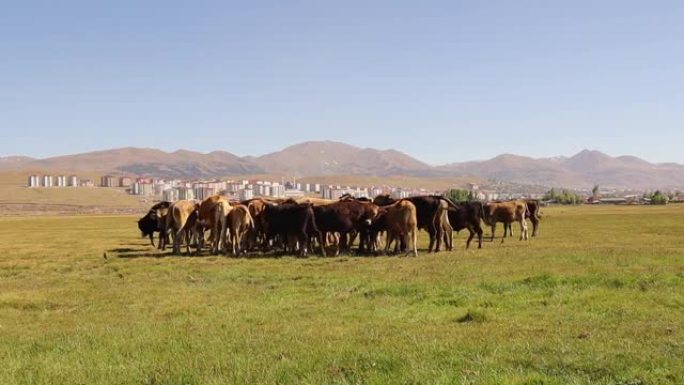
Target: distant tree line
460, 195
657, 198
564, 197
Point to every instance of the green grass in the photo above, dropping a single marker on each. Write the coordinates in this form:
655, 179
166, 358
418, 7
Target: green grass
598, 298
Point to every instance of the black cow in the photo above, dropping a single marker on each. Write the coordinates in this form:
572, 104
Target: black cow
149, 224
467, 215
291, 222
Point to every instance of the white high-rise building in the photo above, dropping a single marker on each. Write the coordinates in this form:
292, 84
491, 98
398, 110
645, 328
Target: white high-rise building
34, 181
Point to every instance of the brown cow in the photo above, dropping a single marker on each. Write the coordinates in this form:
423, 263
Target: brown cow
256, 207
401, 223
506, 212
212, 215
239, 222
180, 219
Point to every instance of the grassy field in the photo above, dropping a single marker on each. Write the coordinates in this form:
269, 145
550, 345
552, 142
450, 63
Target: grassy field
598, 298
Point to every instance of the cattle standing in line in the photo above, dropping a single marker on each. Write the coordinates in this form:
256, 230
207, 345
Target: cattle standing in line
507, 213
149, 224
432, 217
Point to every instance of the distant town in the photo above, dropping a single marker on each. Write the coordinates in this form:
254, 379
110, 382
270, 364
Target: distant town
243, 189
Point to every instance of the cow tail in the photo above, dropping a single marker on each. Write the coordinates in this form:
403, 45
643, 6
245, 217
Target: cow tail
251, 220
449, 202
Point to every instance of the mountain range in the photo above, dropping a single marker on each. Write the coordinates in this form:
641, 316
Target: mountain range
324, 158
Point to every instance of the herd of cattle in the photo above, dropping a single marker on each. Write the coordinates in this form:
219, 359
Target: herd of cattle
294, 226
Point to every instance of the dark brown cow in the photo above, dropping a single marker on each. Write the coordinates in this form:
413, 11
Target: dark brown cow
346, 217
507, 213
291, 222
432, 217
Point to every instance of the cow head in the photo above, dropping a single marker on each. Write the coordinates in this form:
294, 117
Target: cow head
370, 213
147, 225
383, 200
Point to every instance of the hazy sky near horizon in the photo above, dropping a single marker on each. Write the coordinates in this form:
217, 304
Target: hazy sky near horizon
443, 81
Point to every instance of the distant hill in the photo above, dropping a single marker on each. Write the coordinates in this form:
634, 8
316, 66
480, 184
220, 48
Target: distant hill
14, 162
147, 161
582, 170
334, 158
327, 158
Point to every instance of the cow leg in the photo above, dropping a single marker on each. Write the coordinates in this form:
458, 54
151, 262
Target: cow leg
523, 229
303, 244
388, 241
431, 233
321, 241
493, 230
535, 225
176, 241
414, 241
478, 229
352, 239
236, 239
438, 238
470, 237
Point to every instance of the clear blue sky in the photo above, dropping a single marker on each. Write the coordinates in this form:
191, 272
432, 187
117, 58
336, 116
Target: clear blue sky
441, 80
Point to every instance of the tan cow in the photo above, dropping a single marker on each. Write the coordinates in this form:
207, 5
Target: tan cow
239, 222
180, 220
507, 213
401, 223
315, 201
212, 216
